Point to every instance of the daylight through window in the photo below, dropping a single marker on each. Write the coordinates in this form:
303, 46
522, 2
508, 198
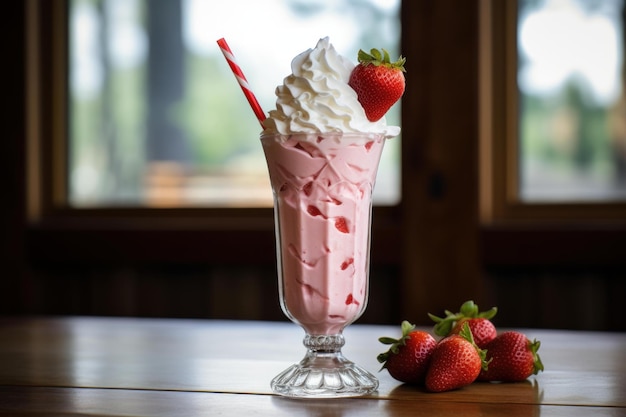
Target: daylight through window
572, 120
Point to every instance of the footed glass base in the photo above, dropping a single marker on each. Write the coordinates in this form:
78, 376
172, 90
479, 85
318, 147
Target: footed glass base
324, 374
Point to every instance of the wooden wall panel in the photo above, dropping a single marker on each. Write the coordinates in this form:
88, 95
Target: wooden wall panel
440, 177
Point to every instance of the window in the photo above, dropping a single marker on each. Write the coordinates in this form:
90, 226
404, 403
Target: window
572, 140
156, 119
549, 129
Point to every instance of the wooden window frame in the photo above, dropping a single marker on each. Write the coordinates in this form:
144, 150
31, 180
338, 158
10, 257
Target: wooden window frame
514, 232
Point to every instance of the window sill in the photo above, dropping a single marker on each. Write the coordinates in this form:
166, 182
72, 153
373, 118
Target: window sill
553, 245
233, 236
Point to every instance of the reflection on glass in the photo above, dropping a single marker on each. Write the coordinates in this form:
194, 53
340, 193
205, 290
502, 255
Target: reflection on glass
156, 117
572, 105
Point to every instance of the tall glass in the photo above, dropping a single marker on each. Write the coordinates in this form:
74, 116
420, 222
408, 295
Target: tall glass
322, 186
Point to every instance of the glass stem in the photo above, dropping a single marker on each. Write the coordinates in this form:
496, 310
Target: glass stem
324, 343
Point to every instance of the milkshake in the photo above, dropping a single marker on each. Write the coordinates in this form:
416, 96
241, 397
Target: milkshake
323, 187
322, 153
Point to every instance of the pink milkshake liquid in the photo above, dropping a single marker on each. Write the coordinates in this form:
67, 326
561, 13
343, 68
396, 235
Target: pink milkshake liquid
322, 186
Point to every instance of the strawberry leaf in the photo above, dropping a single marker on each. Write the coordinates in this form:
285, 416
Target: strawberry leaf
443, 325
469, 309
377, 55
489, 314
378, 58
407, 328
466, 333
364, 56
387, 340
537, 364
386, 57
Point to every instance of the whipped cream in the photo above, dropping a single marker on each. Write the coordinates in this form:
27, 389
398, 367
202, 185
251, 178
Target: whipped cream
316, 98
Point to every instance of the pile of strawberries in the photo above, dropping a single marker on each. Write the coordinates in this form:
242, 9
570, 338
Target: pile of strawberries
470, 349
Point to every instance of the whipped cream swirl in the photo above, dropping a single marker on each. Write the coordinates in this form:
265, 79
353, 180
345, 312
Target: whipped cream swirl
316, 98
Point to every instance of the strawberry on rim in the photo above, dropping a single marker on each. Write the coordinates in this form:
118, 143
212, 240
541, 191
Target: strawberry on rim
378, 82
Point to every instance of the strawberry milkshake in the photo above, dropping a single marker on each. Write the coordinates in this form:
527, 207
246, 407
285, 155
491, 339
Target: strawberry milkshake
322, 153
323, 186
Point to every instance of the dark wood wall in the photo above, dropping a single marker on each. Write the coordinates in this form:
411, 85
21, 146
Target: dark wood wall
590, 300
196, 291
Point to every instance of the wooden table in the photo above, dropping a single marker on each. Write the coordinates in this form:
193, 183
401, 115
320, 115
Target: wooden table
168, 367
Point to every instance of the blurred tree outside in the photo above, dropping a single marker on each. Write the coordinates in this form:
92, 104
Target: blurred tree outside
567, 135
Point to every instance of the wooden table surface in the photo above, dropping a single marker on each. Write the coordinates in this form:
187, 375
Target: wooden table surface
171, 367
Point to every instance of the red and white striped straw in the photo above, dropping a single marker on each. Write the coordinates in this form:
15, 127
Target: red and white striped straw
241, 79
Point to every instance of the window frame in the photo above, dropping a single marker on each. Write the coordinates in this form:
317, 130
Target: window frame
514, 232
57, 232
499, 110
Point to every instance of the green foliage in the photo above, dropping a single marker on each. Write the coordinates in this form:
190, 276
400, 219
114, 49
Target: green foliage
107, 134
567, 131
215, 114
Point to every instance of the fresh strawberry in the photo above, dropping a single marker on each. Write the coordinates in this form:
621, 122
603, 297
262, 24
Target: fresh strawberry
479, 323
378, 82
408, 357
455, 362
482, 329
513, 357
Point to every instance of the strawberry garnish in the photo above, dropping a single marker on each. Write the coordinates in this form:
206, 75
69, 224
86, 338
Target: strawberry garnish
378, 82
479, 323
513, 357
456, 362
408, 357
